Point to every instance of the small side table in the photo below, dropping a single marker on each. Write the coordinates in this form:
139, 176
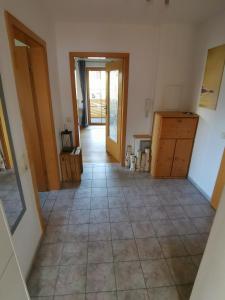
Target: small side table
71, 165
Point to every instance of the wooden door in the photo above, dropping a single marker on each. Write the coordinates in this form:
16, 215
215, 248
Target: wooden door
113, 110
28, 109
164, 159
220, 183
39, 70
182, 155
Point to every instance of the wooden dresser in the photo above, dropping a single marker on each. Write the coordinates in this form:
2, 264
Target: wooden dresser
172, 143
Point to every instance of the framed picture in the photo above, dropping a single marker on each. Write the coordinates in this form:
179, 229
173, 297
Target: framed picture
212, 77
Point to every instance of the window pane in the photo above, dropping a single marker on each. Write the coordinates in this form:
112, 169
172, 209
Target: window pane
97, 84
97, 96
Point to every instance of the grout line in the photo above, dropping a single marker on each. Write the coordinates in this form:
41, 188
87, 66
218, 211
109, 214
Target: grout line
113, 262
145, 281
86, 281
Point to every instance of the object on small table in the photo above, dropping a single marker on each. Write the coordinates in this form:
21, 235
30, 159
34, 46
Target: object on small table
128, 154
142, 144
132, 162
67, 141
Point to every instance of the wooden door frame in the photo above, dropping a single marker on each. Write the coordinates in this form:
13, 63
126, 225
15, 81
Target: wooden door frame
119, 55
88, 99
17, 30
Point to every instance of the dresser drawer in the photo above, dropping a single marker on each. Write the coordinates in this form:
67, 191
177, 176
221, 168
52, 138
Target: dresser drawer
175, 128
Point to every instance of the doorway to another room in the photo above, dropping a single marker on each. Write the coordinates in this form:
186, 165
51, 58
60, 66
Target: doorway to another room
92, 110
99, 86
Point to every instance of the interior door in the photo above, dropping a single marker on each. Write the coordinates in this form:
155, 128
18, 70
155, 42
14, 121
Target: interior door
29, 116
113, 111
182, 157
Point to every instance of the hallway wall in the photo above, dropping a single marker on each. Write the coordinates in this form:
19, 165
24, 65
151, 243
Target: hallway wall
210, 142
155, 72
31, 12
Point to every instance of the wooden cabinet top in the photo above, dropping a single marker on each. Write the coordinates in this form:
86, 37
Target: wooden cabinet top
176, 114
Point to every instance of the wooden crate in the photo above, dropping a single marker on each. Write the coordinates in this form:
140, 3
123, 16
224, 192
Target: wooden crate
71, 166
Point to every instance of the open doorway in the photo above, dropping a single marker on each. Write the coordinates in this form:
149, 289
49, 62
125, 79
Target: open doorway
91, 93
99, 86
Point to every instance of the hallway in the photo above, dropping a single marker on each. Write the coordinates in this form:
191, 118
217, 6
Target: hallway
121, 236
93, 145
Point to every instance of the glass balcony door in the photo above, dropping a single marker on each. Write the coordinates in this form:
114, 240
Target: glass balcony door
113, 116
97, 96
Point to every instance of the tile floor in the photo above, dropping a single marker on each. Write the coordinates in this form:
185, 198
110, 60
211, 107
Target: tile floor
94, 149
121, 236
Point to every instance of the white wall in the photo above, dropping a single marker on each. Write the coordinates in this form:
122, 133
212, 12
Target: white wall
142, 42
209, 144
173, 83
209, 283
30, 12
78, 86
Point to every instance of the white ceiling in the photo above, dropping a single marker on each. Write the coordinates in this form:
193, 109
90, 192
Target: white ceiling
134, 11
